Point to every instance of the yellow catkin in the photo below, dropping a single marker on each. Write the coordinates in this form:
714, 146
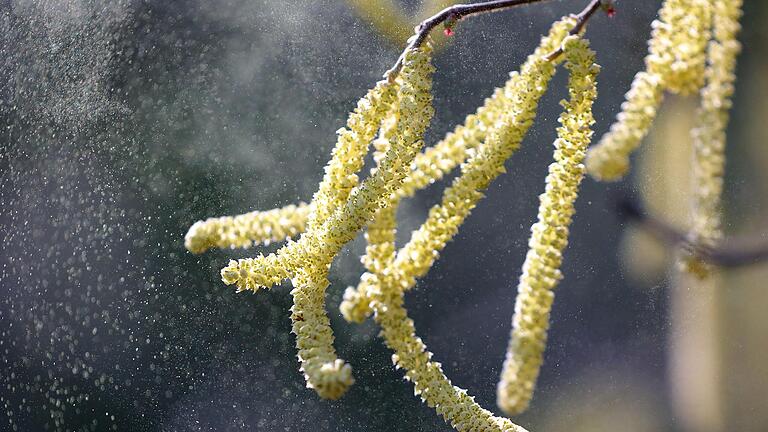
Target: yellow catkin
379, 236
675, 62
519, 96
348, 156
259, 227
709, 131
379, 256
387, 295
437, 161
307, 260
327, 374
451, 402
541, 270
609, 159
678, 45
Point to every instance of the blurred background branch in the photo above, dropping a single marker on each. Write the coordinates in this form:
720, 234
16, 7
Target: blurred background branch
728, 252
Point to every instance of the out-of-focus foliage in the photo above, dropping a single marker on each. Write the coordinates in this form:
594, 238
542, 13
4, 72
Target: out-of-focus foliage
391, 21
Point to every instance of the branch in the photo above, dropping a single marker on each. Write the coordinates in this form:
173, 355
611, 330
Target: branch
729, 252
453, 14
581, 21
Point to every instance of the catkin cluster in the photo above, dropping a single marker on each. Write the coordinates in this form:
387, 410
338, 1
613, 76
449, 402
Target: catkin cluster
386, 294
428, 167
341, 207
675, 63
399, 112
393, 116
518, 97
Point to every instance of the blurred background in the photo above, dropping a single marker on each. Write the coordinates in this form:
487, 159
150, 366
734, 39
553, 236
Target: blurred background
124, 122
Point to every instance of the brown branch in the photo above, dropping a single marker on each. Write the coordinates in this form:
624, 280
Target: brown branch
581, 21
455, 13
728, 252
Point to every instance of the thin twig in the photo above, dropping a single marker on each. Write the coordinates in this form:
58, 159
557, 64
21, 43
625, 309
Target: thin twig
581, 21
728, 252
457, 12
